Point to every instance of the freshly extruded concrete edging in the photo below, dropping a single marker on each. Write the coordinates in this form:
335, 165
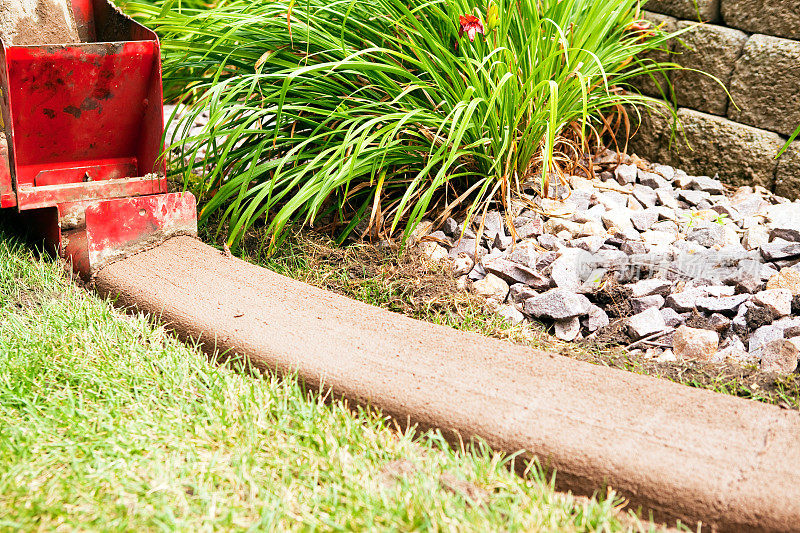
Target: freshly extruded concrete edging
676, 451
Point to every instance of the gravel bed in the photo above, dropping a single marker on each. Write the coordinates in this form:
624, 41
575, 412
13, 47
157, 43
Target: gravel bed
674, 267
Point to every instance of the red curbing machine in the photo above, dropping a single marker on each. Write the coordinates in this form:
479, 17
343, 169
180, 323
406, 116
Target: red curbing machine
81, 126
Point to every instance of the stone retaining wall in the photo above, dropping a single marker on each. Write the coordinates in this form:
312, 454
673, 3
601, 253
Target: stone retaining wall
753, 48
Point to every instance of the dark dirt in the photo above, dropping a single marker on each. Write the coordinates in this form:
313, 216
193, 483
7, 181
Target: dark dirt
49, 26
698, 321
757, 317
614, 298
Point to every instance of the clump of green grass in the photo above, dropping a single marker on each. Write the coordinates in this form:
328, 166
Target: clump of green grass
109, 423
379, 111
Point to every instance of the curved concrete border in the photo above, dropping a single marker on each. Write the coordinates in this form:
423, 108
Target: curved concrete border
677, 451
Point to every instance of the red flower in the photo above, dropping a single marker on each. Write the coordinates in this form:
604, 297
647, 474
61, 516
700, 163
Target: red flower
470, 24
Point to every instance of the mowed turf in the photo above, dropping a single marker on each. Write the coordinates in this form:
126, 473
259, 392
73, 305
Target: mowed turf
108, 423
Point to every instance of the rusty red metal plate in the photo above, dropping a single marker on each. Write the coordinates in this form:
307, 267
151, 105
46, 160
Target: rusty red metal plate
116, 228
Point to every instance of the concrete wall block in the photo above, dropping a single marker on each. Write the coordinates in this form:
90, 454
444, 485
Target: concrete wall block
705, 10
787, 178
742, 155
766, 84
649, 128
713, 50
771, 17
645, 84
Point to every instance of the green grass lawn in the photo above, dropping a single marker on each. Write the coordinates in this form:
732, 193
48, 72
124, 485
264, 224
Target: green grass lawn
108, 423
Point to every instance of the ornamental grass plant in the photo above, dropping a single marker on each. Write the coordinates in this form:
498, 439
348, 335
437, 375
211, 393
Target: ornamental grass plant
376, 113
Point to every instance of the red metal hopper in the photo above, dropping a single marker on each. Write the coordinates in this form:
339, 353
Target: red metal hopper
83, 125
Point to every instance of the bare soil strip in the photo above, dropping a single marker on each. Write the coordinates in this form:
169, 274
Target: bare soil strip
679, 452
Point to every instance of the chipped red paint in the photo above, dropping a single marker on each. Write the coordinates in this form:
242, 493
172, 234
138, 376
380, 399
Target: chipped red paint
38, 197
115, 228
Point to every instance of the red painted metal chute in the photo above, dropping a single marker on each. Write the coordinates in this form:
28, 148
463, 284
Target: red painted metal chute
81, 152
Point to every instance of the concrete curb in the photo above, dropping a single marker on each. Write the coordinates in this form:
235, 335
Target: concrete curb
679, 452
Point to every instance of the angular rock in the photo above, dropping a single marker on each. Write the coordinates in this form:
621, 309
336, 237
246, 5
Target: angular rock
462, 264
776, 250
597, 318
626, 174
491, 287
776, 301
647, 287
450, 226
706, 184
667, 199
645, 195
779, 355
765, 84
652, 180
520, 292
693, 197
718, 322
707, 234
557, 304
786, 278
658, 238
643, 220
744, 281
510, 314
648, 322
761, 337
469, 247
433, 251
512, 272
726, 305
754, 237
643, 303
532, 228
671, 317
695, 344
618, 218
567, 329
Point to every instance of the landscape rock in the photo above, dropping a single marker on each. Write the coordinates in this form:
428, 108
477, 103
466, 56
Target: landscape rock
491, 287
778, 250
643, 220
684, 301
557, 304
786, 278
462, 264
647, 287
671, 317
597, 318
776, 301
762, 336
726, 305
512, 272
695, 344
641, 304
469, 247
648, 322
433, 251
567, 329
510, 314
779, 355
626, 174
